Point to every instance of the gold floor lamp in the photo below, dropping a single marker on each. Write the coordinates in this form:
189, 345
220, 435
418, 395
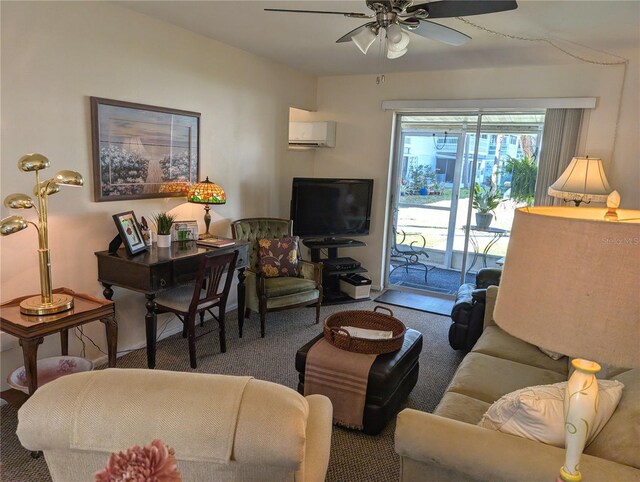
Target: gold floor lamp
47, 302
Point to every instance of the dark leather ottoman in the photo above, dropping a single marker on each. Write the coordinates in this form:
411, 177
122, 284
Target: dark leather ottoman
391, 379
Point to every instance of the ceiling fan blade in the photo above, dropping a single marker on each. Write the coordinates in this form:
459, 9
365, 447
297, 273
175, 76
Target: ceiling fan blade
355, 31
346, 14
463, 8
438, 32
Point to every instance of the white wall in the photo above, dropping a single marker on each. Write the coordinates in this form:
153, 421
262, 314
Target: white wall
364, 131
55, 55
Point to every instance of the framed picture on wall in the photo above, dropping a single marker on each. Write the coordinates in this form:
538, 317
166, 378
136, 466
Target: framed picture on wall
143, 151
130, 232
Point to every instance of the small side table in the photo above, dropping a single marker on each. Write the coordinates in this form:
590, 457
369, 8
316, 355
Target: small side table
495, 233
31, 330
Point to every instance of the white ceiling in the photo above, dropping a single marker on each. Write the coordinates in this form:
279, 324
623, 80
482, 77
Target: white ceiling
306, 42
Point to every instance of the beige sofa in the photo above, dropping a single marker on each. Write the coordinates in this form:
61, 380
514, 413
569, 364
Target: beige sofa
221, 427
448, 444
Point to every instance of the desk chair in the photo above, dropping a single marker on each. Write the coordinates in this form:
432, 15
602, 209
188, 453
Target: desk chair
264, 294
188, 300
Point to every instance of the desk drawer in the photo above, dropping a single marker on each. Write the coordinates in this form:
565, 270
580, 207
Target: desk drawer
160, 277
185, 270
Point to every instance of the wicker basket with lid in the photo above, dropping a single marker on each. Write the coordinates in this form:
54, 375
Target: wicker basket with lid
372, 320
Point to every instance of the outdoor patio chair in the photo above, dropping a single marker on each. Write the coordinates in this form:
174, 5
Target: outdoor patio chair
411, 256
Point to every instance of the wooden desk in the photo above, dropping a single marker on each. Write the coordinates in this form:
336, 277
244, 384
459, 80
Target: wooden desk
31, 330
159, 269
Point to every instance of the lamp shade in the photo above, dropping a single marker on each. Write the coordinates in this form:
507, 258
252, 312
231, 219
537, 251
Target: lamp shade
391, 54
206, 192
582, 181
401, 44
364, 39
570, 283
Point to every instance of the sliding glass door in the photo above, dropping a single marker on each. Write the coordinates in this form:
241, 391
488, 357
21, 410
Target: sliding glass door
442, 162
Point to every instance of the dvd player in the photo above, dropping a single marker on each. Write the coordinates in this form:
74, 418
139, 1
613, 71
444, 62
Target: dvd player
340, 264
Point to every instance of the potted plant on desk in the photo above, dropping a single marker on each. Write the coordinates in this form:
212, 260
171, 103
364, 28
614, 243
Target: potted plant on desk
485, 200
163, 222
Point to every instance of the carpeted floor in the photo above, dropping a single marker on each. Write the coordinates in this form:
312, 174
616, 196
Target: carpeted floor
354, 456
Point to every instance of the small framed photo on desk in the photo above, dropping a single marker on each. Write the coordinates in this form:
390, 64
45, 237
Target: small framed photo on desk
130, 233
184, 231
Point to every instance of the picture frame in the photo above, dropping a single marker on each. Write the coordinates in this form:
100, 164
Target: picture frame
143, 151
190, 227
130, 232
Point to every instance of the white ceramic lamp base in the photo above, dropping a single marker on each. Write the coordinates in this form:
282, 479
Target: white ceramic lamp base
580, 407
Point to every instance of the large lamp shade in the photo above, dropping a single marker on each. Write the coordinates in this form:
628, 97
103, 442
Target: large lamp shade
570, 284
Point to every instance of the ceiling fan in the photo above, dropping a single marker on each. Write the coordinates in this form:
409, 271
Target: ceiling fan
393, 18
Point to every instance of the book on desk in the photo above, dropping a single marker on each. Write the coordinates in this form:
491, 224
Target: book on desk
215, 243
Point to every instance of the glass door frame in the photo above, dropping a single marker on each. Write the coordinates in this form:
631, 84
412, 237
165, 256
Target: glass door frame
395, 173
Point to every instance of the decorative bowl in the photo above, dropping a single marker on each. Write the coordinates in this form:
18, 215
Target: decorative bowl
49, 369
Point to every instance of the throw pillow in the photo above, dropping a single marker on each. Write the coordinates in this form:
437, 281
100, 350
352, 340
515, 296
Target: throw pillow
551, 354
537, 412
279, 257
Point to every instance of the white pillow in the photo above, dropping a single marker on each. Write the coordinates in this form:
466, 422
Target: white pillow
537, 413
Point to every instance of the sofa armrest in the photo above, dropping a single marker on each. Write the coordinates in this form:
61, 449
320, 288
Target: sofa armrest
481, 454
487, 277
489, 304
318, 443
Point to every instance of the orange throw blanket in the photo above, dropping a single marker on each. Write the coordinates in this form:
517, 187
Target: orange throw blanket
341, 376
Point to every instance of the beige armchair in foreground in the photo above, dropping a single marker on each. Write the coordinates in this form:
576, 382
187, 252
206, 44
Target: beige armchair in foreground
222, 428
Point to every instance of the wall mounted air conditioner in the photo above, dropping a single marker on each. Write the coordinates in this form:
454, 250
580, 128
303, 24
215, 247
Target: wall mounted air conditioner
312, 134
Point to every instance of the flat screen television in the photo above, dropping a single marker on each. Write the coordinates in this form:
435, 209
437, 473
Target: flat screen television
327, 208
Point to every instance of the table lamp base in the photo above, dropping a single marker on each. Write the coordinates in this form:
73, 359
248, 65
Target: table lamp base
34, 305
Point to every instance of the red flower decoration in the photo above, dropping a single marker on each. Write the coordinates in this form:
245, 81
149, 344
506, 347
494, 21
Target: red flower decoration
152, 463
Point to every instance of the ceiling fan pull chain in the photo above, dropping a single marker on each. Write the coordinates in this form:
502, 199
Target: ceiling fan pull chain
381, 48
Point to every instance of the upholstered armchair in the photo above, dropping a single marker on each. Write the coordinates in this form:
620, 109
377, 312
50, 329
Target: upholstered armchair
262, 294
222, 428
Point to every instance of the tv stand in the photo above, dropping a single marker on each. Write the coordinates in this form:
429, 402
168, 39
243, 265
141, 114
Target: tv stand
331, 278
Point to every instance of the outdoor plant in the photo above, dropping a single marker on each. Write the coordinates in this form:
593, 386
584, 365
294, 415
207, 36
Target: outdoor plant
436, 188
485, 198
163, 222
420, 177
523, 178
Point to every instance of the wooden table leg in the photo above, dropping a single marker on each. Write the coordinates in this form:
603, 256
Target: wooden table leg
150, 321
30, 356
241, 300
108, 291
64, 342
111, 326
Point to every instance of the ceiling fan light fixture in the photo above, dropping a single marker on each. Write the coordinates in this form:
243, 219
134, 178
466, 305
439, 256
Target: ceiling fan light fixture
394, 33
401, 45
364, 39
391, 54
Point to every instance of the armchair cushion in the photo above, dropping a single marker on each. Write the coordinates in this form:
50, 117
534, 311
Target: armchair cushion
275, 287
279, 257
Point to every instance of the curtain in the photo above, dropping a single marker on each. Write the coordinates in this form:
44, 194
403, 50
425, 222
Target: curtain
559, 143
